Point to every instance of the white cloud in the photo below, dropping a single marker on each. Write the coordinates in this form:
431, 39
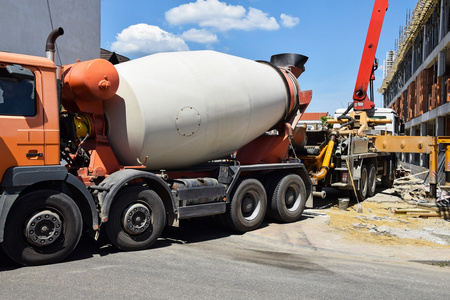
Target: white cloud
289, 21
202, 36
143, 39
220, 16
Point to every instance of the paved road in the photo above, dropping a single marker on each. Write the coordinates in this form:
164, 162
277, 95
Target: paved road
202, 261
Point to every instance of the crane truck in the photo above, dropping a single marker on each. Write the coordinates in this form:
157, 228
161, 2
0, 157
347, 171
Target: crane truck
363, 140
343, 156
133, 148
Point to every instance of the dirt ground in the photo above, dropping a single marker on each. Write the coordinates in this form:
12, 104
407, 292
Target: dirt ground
387, 219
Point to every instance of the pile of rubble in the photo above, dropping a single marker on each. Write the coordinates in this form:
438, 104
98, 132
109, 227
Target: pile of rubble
404, 214
390, 222
414, 192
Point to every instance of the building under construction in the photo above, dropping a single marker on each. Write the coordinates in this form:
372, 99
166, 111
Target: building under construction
417, 75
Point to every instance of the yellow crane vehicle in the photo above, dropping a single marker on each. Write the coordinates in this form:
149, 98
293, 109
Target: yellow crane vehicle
363, 140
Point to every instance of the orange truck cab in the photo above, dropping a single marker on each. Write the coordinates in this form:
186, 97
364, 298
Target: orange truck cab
30, 163
30, 134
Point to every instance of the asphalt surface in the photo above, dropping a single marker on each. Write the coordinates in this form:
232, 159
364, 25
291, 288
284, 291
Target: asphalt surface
200, 260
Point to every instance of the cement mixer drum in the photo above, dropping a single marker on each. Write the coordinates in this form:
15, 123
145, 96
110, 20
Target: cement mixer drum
182, 108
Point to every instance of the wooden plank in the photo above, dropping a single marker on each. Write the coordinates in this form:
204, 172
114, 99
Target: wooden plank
411, 210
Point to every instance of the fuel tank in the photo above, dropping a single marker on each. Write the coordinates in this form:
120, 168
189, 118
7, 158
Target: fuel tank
174, 110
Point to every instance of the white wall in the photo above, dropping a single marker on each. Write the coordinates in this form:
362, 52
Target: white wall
25, 25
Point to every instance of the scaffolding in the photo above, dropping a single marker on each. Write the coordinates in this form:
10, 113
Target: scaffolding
415, 24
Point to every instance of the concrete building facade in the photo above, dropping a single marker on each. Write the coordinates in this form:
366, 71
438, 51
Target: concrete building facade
417, 84
26, 25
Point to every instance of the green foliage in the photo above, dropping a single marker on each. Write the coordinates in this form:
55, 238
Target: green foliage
324, 119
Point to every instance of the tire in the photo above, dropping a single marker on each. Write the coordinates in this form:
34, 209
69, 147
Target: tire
144, 213
248, 206
371, 180
288, 199
363, 187
43, 227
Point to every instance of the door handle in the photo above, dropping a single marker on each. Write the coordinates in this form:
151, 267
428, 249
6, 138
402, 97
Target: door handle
35, 154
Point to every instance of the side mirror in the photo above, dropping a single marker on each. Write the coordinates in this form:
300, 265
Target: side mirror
20, 72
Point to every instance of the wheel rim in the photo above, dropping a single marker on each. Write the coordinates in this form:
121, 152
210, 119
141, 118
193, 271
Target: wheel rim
250, 206
291, 198
136, 219
43, 228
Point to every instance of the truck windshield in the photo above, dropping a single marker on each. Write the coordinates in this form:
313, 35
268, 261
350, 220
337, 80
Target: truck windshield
17, 95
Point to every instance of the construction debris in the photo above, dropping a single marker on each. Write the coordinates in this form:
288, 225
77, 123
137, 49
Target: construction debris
413, 191
405, 214
391, 223
409, 211
402, 172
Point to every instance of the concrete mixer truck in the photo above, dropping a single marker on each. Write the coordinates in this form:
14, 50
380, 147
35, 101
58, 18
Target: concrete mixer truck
142, 145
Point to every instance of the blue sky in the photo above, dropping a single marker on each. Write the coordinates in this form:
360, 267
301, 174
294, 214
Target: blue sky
330, 33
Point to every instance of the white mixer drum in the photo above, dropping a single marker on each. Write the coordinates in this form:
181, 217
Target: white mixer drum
183, 108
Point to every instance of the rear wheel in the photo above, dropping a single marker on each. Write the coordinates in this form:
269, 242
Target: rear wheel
137, 219
248, 206
363, 187
288, 198
372, 179
42, 228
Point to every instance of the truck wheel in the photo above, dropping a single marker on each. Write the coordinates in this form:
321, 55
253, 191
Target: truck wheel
288, 199
42, 228
248, 206
372, 179
363, 187
136, 220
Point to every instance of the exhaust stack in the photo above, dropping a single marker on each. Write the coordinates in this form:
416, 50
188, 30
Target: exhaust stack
294, 62
50, 45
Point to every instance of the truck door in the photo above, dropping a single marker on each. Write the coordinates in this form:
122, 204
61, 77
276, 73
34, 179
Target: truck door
21, 118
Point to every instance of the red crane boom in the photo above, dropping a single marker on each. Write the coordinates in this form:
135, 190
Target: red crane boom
367, 66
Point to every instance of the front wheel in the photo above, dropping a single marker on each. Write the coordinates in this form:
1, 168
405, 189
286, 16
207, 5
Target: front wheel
137, 219
43, 227
248, 206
